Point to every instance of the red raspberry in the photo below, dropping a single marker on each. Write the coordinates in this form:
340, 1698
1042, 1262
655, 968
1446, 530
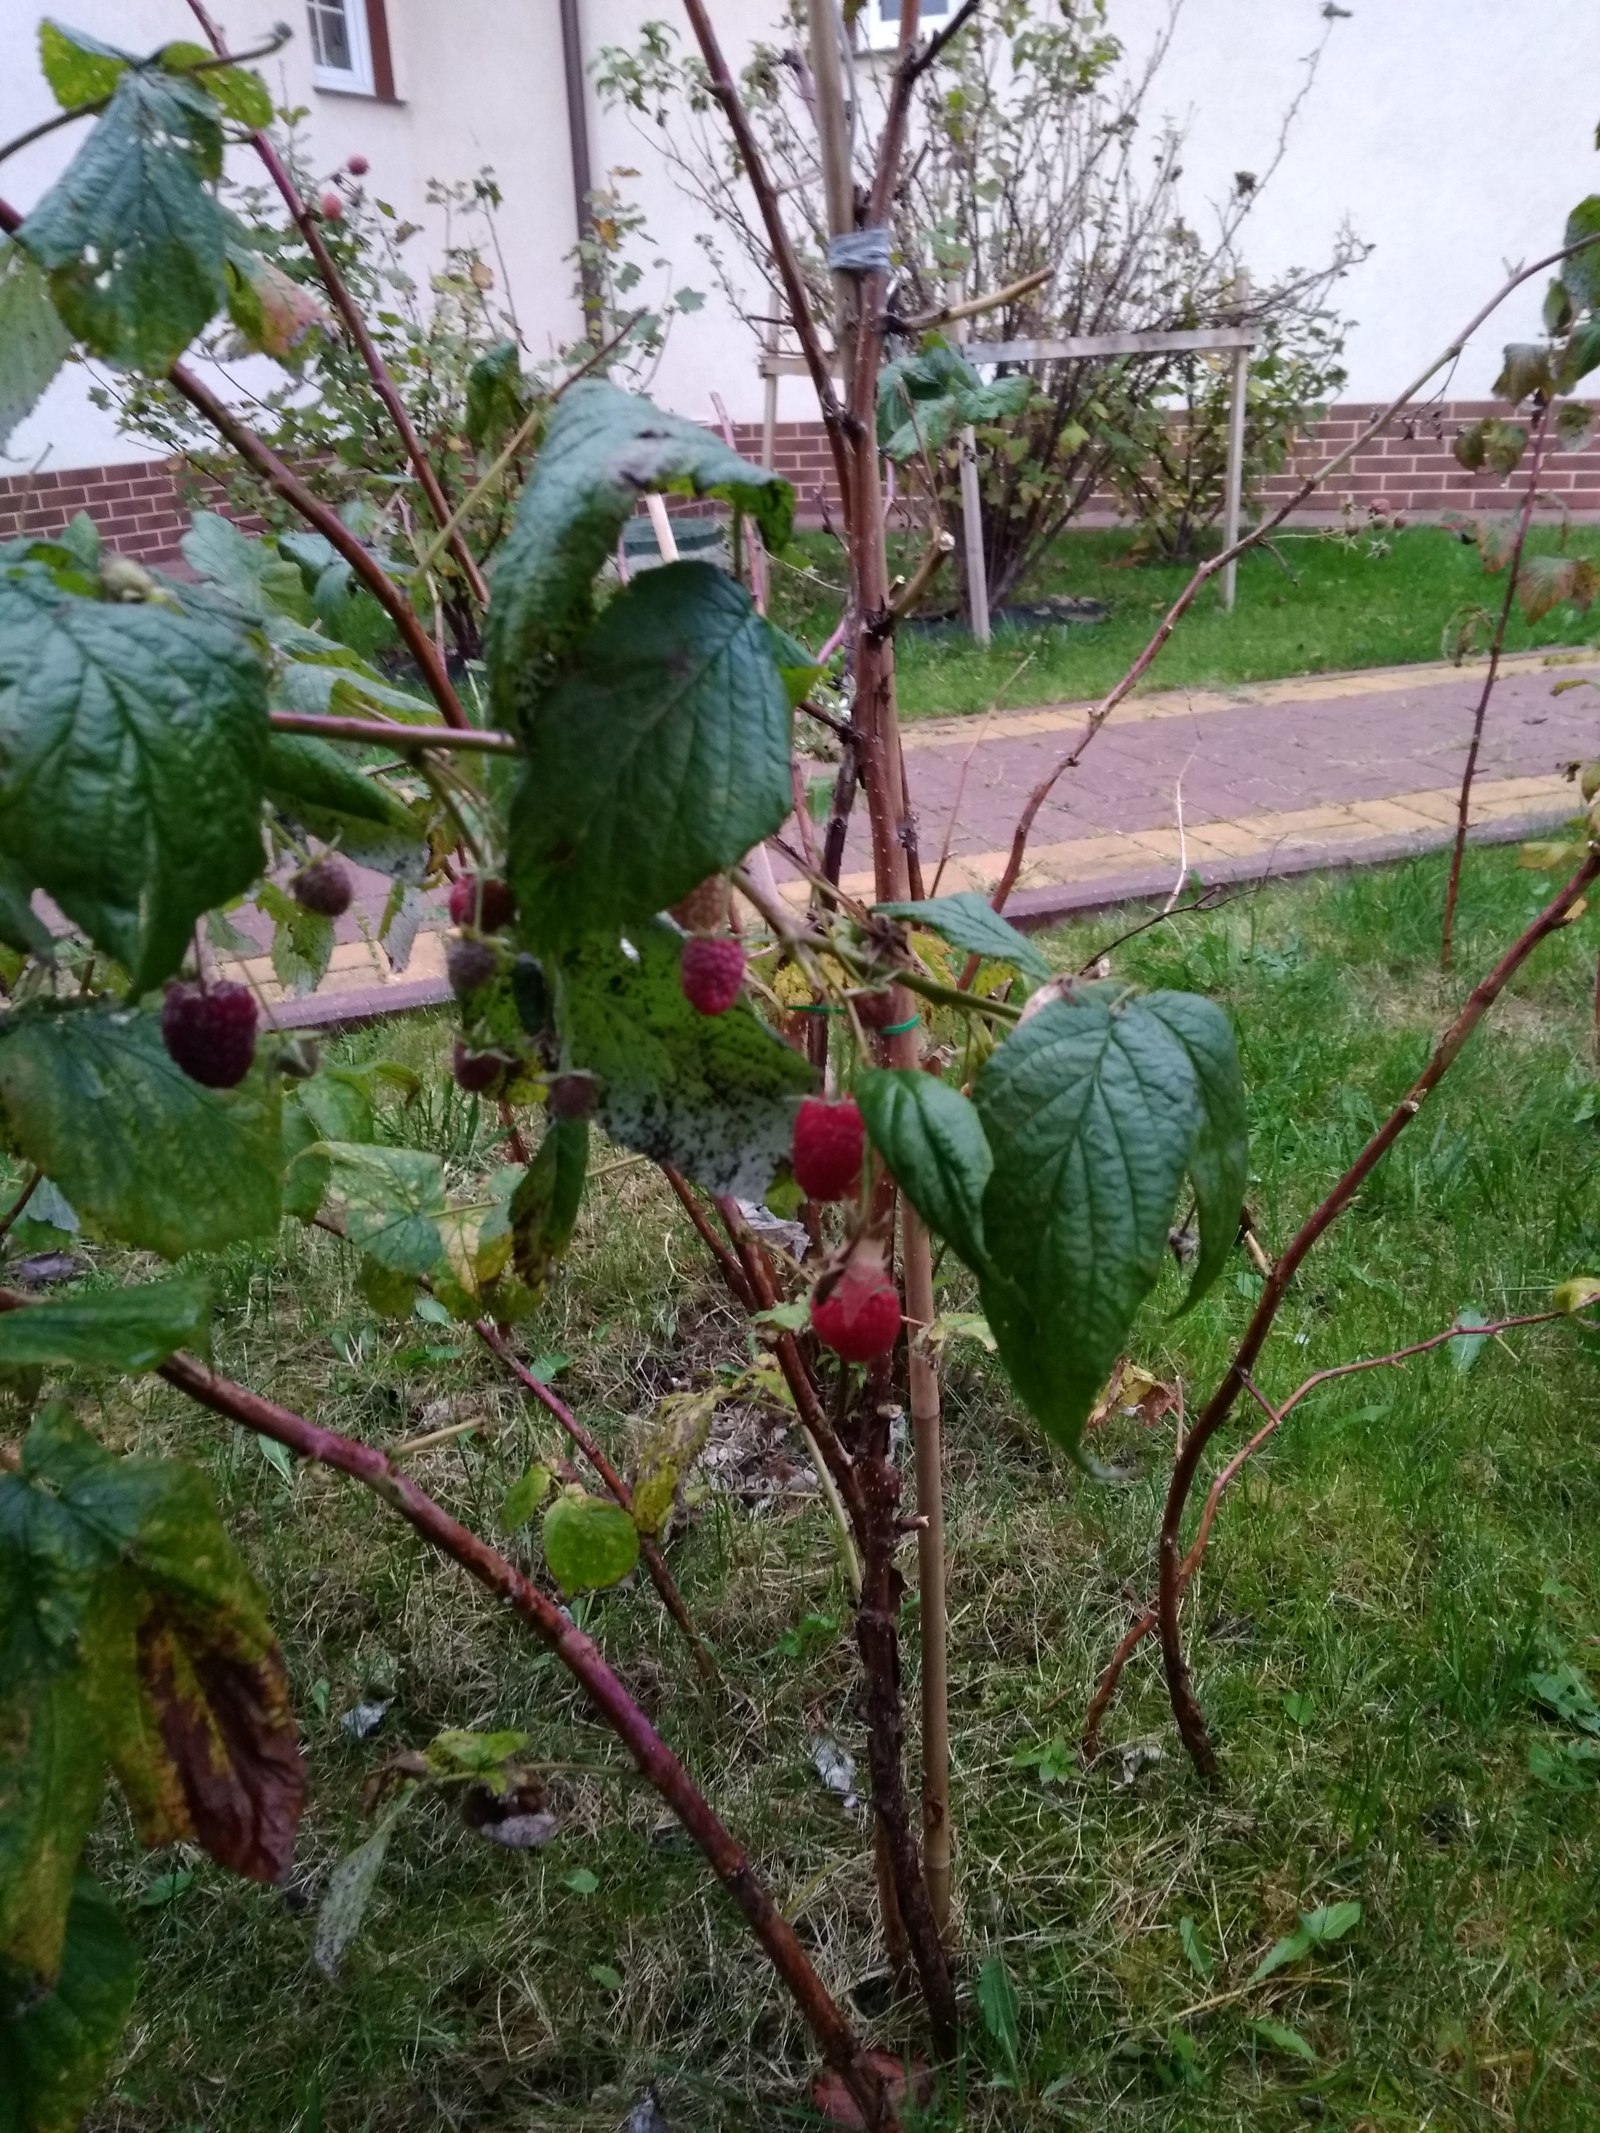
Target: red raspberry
358, 166
324, 887
859, 1317
712, 974
479, 900
210, 1032
332, 206
829, 1143
477, 1071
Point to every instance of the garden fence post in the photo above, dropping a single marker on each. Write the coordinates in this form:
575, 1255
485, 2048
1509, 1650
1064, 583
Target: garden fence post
769, 404
972, 511
1235, 482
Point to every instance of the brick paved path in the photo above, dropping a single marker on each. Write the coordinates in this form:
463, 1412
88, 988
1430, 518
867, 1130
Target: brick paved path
1276, 778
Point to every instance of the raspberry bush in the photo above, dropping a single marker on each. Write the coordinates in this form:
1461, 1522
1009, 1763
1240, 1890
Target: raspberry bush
1048, 1133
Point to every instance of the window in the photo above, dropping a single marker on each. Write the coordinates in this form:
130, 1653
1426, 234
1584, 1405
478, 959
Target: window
881, 20
350, 47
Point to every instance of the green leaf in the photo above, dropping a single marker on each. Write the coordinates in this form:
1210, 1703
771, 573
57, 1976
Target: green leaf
498, 398
1093, 1110
794, 662
1282, 1952
52, 1774
714, 1095
968, 921
1582, 354
150, 1156
1467, 1346
1299, 1708
1568, 1766
33, 342
1581, 272
589, 1542
394, 1201
389, 1294
1283, 2039
256, 578
79, 68
603, 449
132, 235
660, 757
582, 1881
607, 1976
113, 1329
242, 96
1566, 1692
324, 795
55, 2051
1525, 369
112, 719
1000, 2007
545, 1205
523, 1498
930, 1137
1331, 1922
349, 1891
1192, 1941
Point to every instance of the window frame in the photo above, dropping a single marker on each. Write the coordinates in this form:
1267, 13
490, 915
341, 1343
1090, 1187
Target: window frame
881, 35
369, 72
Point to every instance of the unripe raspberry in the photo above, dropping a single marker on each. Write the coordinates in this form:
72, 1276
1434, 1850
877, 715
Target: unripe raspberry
477, 1071
711, 973
358, 166
468, 964
479, 900
830, 1141
859, 1316
324, 887
210, 1032
332, 206
704, 909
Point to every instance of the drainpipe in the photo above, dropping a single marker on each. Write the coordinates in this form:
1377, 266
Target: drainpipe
582, 180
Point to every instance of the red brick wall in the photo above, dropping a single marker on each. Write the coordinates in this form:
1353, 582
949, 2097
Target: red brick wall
1411, 469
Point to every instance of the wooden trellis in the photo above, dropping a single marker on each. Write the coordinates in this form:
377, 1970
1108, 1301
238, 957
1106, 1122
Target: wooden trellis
1090, 347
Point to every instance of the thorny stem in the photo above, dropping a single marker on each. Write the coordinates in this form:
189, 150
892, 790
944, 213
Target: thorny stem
1191, 1722
649, 1551
1144, 1622
1496, 647
583, 1659
1251, 539
356, 326
328, 523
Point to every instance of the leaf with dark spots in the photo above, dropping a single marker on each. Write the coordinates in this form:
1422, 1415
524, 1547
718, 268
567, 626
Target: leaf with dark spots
220, 1738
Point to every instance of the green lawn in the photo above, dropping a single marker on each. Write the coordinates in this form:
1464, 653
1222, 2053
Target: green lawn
1345, 607
1380, 1587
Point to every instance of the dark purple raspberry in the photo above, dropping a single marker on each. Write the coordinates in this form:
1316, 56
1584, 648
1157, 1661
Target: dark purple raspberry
324, 887
469, 964
572, 1096
210, 1032
477, 1072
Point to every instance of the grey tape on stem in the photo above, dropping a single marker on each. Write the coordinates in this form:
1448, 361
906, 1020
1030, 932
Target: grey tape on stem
860, 251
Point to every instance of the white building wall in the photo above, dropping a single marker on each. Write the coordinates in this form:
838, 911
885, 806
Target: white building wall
1453, 134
